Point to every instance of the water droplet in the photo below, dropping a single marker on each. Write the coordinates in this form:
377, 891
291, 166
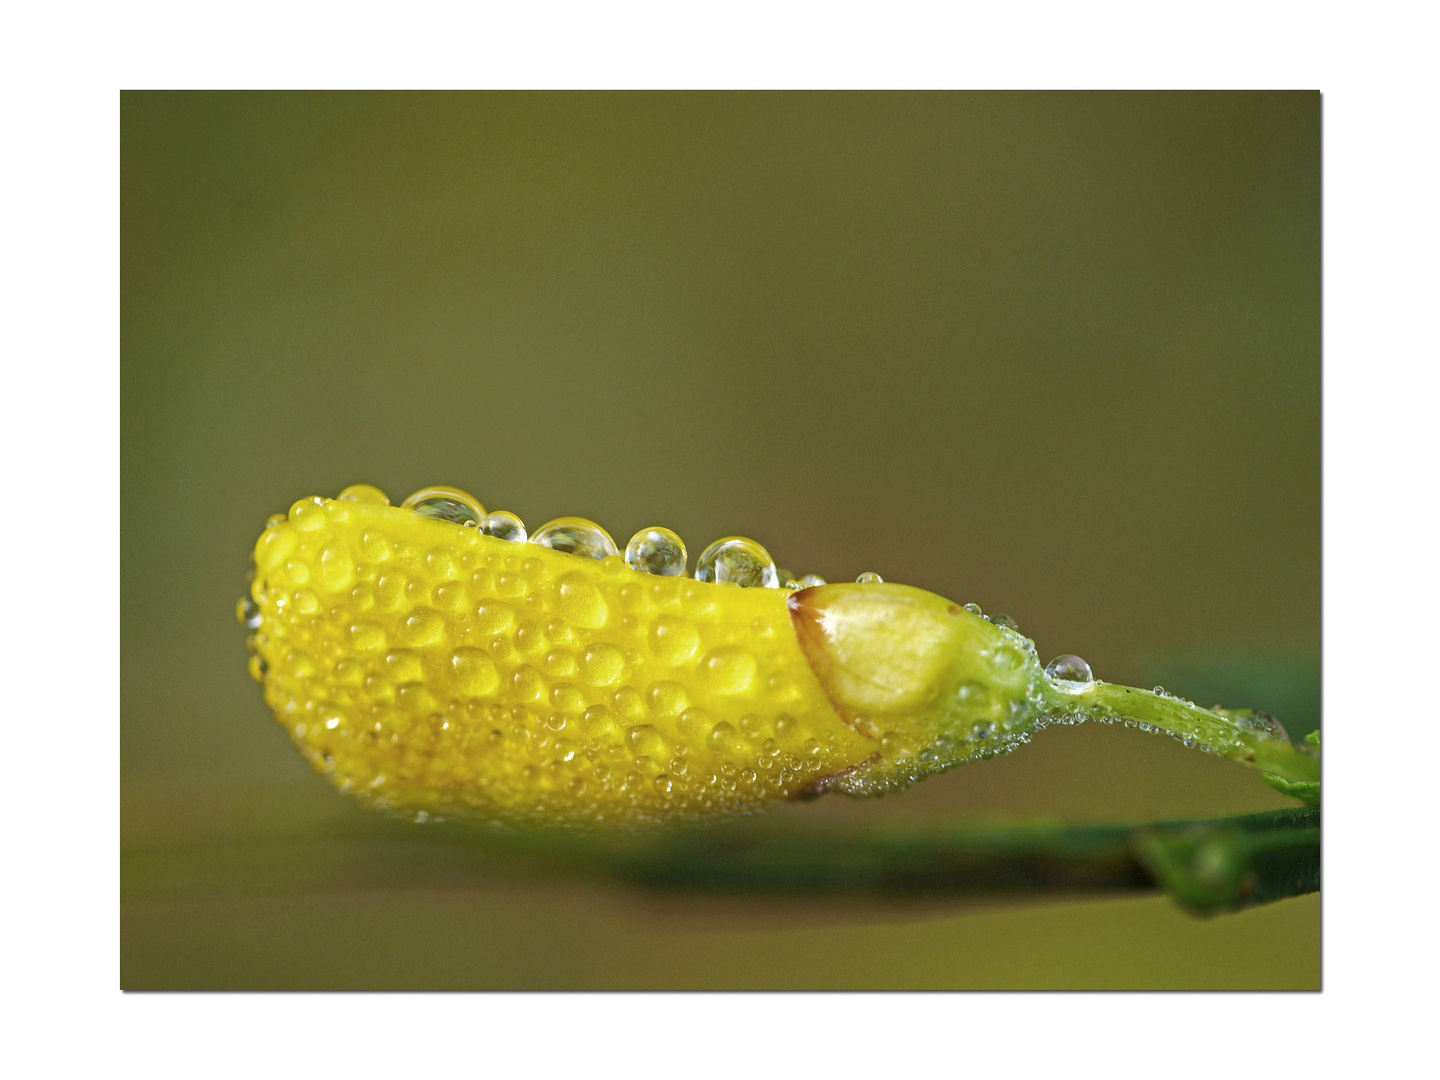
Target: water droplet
601, 665
575, 536
447, 504
787, 579
809, 581
737, 560
566, 697
1071, 672
643, 739
364, 493
248, 612
729, 670
673, 639
982, 730
974, 609
724, 739
504, 525
1005, 621
666, 698
1262, 724
656, 551
869, 578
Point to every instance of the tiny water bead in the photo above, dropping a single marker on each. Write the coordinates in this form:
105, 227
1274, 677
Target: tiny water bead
974, 609
1070, 671
658, 551
809, 581
869, 578
575, 536
504, 525
364, 493
447, 504
248, 612
737, 560
1005, 621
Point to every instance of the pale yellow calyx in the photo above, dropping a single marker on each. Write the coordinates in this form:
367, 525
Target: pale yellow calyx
879, 648
932, 682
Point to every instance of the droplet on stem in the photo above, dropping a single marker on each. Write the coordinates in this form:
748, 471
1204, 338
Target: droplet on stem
1071, 672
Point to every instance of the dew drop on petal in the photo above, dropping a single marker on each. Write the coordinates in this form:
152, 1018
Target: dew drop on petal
656, 551
737, 560
575, 536
248, 612
364, 493
504, 525
809, 581
1005, 621
447, 504
973, 609
869, 578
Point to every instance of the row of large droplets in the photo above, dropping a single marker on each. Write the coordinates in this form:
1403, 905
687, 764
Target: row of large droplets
731, 560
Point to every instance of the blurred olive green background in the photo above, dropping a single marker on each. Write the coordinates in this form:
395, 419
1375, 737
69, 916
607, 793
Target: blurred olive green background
1057, 354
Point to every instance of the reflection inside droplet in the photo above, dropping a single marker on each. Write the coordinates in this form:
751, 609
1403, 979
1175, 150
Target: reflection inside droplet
446, 504
576, 536
504, 525
737, 560
656, 550
1070, 671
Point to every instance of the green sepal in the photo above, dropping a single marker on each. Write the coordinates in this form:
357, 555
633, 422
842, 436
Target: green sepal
1307, 791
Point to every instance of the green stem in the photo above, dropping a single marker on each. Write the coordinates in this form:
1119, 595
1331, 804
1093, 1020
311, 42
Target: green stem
1242, 735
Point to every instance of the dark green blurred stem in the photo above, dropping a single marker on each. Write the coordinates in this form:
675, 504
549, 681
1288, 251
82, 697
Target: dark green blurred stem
1207, 866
